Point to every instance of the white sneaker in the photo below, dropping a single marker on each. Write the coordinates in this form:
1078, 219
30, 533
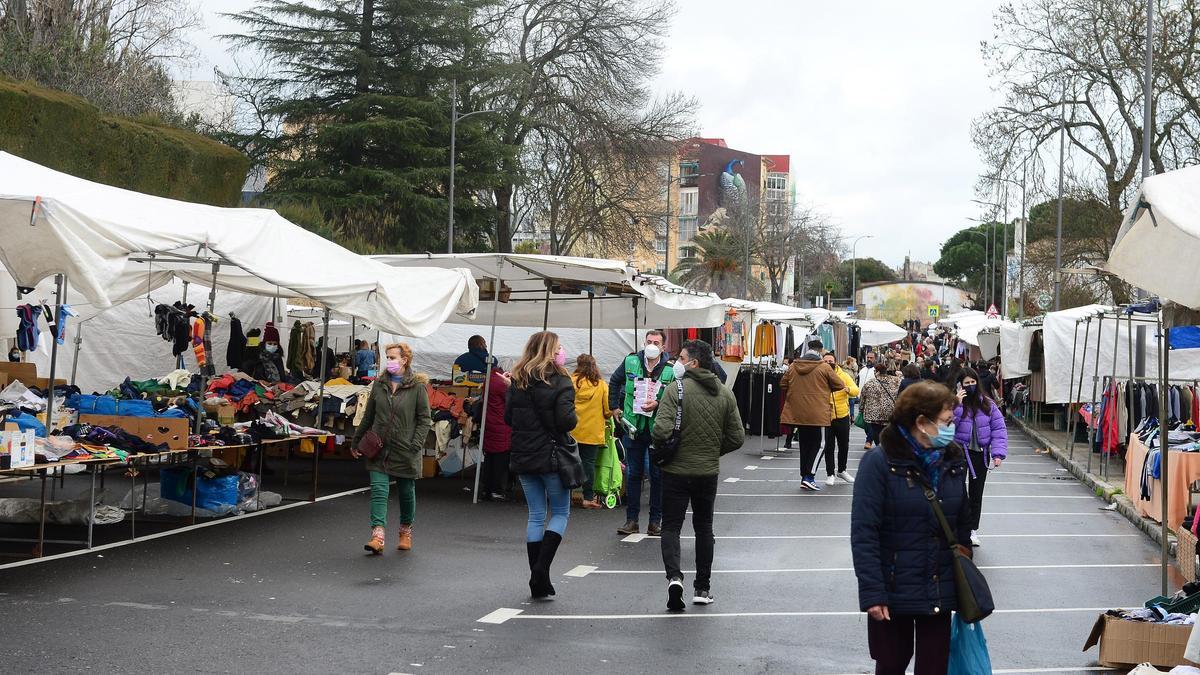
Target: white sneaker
703, 598
832, 480
975, 539
845, 475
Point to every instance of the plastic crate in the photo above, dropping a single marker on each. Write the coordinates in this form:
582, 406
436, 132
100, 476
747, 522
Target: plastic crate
1185, 554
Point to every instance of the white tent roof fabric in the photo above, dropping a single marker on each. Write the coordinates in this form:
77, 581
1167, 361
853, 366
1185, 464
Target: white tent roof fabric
1157, 248
660, 304
1015, 343
969, 328
875, 333
1059, 337
94, 234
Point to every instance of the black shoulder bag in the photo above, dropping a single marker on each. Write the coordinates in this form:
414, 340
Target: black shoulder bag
661, 454
564, 455
971, 588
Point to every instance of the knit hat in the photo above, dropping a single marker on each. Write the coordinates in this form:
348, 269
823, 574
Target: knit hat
271, 333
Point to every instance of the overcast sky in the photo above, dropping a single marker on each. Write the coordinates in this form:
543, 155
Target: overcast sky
872, 99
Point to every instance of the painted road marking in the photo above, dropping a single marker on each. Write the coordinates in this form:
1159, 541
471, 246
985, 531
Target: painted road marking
587, 570
768, 458
802, 495
846, 536
992, 480
733, 479
1097, 512
510, 614
635, 538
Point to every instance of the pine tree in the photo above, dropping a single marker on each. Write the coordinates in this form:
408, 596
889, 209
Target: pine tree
362, 88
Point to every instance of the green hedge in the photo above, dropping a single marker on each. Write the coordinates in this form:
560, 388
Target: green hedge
69, 134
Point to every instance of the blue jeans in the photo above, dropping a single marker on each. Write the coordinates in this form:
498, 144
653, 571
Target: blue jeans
540, 488
637, 454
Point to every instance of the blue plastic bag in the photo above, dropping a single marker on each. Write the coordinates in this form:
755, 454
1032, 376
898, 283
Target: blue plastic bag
968, 649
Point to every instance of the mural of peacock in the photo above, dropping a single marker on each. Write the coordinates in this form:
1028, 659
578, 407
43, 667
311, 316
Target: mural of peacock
733, 186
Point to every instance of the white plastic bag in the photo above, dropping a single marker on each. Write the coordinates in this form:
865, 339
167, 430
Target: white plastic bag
1192, 651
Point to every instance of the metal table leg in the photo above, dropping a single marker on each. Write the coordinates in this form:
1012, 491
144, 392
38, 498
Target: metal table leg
42, 525
92, 508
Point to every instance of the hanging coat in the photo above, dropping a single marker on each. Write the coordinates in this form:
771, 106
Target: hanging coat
235, 352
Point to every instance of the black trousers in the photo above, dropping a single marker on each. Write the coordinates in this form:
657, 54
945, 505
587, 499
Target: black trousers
873, 431
975, 486
837, 433
495, 473
893, 644
808, 439
677, 492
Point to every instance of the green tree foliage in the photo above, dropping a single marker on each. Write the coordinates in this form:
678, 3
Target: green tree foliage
70, 135
864, 271
363, 90
964, 260
716, 264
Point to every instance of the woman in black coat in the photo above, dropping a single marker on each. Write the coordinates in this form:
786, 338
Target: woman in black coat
901, 557
541, 411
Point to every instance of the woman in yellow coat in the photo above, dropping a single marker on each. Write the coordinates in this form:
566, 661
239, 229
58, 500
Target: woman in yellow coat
838, 431
592, 411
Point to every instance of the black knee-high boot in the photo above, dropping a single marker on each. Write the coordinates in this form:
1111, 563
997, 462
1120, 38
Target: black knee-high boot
539, 582
533, 549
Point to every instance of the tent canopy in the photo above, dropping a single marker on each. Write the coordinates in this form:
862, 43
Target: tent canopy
875, 333
1159, 241
583, 292
771, 311
114, 245
969, 328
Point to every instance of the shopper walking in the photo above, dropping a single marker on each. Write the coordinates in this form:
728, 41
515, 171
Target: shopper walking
541, 411
641, 372
901, 558
592, 411
865, 374
497, 439
911, 375
878, 398
807, 386
979, 427
398, 413
710, 427
838, 432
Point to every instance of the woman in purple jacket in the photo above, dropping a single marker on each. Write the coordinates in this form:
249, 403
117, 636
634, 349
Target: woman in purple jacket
978, 427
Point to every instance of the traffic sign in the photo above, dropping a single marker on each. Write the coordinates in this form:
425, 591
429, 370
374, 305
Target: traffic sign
1044, 300
992, 312
934, 310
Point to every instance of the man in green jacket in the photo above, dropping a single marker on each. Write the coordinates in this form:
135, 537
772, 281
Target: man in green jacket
710, 427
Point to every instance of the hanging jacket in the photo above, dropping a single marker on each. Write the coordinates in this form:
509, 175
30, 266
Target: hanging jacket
901, 557
539, 414
307, 360
591, 411
293, 347
402, 419
235, 352
988, 427
497, 435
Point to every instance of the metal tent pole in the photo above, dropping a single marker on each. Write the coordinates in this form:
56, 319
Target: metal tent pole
1116, 347
1076, 393
591, 320
487, 382
321, 401
762, 423
1164, 370
60, 291
78, 342
1095, 381
546, 313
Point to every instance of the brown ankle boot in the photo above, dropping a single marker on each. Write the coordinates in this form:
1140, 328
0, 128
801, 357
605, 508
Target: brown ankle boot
375, 545
405, 543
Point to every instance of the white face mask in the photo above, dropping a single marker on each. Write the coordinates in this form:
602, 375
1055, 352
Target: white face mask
653, 351
679, 369
271, 349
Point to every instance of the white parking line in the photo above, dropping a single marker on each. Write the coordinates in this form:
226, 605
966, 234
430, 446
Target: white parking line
505, 614
802, 495
644, 537
587, 570
1097, 512
992, 480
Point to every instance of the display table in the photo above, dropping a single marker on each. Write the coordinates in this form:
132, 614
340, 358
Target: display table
1184, 468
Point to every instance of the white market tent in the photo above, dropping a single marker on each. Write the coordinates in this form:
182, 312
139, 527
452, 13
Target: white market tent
113, 245
1157, 246
571, 292
875, 333
1016, 341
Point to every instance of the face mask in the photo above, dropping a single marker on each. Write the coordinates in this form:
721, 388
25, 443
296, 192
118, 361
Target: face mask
393, 366
653, 351
560, 357
945, 436
271, 349
970, 389
679, 369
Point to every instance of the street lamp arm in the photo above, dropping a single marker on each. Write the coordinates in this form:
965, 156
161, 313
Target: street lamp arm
476, 112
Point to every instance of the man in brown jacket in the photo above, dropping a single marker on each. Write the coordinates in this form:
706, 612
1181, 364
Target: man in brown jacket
806, 388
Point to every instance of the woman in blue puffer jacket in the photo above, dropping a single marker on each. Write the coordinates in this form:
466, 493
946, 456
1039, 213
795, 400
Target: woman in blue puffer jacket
901, 558
979, 428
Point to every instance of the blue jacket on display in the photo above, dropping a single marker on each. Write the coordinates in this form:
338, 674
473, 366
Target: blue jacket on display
901, 557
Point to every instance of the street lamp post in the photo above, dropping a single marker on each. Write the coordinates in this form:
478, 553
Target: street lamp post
455, 118
854, 270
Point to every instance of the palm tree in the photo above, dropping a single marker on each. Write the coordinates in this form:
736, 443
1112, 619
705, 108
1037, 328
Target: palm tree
716, 265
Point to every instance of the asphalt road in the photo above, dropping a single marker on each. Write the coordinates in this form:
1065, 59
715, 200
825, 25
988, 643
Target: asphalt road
291, 591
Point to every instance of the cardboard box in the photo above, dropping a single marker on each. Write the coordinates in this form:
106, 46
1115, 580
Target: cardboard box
170, 430
25, 372
1126, 643
429, 467
1185, 554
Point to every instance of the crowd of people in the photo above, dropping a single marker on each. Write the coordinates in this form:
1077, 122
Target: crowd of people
934, 429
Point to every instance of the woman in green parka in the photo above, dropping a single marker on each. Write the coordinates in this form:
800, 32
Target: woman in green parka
398, 411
